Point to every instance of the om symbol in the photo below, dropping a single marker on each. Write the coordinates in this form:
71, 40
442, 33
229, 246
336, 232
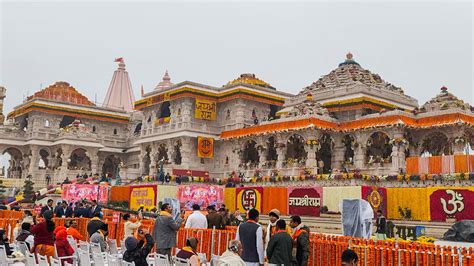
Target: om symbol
456, 201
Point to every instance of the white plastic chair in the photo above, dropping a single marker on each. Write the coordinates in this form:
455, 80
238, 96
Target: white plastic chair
30, 258
84, 245
42, 260
180, 262
55, 262
113, 247
22, 247
67, 264
98, 259
113, 260
84, 257
63, 257
126, 263
4, 260
95, 248
161, 259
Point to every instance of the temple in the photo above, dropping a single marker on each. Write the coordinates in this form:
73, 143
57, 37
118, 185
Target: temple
349, 120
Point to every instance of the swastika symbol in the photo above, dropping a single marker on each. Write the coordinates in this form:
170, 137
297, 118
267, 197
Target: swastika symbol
249, 199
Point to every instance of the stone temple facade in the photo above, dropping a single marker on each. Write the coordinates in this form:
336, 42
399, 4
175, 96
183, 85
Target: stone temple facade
348, 119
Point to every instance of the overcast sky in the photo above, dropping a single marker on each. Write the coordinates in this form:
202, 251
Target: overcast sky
418, 46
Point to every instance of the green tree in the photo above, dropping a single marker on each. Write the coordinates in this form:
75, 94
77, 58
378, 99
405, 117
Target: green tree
28, 192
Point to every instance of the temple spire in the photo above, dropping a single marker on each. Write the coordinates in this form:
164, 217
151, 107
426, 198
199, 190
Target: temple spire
120, 93
165, 83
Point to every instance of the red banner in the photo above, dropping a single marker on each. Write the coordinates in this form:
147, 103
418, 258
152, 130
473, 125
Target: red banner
103, 195
249, 198
452, 203
304, 201
377, 197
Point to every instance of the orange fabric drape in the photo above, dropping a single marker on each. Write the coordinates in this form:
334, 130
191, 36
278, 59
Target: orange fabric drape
275, 198
471, 164
460, 163
412, 165
435, 165
120, 193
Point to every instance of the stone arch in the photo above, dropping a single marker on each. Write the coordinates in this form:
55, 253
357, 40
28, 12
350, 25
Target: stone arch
325, 152
378, 147
79, 160
43, 162
177, 158
138, 129
271, 149
436, 143
165, 110
348, 141
146, 160
295, 149
13, 157
115, 131
66, 121
162, 152
111, 166
250, 153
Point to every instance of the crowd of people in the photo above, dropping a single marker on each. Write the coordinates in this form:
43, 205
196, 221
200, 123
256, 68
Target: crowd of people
279, 243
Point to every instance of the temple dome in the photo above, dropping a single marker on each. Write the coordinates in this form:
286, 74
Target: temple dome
443, 101
165, 83
62, 92
250, 79
349, 73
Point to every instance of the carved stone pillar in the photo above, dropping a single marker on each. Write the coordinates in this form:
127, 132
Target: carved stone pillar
262, 156
281, 150
64, 162
186, 152
311, 156
394, 169
153, 160
95, 163
338, 152
359, 156
34, 160
187, 111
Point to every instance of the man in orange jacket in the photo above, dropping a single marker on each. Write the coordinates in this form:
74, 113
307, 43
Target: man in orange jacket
72, 231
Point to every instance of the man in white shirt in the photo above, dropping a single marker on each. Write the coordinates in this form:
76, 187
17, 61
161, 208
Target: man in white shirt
196, 220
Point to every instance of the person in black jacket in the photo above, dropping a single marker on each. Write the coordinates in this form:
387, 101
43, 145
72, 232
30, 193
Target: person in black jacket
64, 211
48, 207
301, 241
94, 209
137, 251
94, 224
279, 250
381, 224
80, 211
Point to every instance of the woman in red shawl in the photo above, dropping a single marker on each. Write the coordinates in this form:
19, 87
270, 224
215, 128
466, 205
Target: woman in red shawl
63, 247
44, 236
